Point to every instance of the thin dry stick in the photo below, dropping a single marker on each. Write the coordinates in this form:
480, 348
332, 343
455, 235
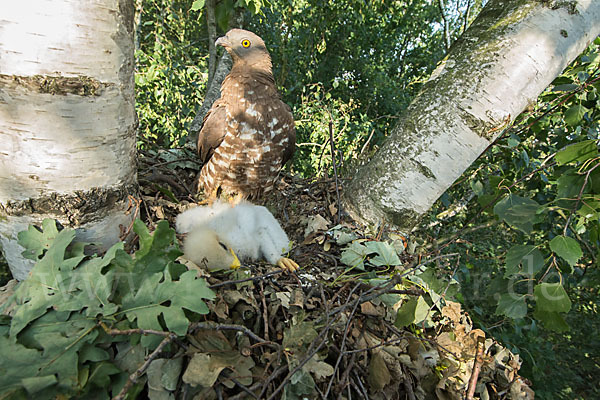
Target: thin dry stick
140, 371
476, 368
117, 332
344, 380
360, 384
265, 310
321, 339
227, 327
312, 350
254, 279
343, 345
335, 174
362, 150
133, 202
408, 385
244, 388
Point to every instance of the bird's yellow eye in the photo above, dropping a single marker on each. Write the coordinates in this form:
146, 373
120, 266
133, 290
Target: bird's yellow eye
245, 43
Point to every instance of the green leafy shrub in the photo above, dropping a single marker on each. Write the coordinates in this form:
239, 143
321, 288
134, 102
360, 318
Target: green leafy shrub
350, 130
171, 72
57, 341
530, 277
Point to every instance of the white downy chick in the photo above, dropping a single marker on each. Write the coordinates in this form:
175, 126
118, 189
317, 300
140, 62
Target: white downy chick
251, 231
204, 248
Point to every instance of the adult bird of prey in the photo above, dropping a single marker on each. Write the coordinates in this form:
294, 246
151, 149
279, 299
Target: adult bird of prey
248, 134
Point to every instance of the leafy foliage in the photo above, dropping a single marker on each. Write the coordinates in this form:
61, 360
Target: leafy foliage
55, 344
357, 75
533, 269
171, 72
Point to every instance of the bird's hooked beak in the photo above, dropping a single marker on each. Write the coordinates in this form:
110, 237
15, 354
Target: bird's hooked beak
223, 41
235, 264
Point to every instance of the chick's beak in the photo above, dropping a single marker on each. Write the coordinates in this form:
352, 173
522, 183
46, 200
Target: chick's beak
223, 41
236, 262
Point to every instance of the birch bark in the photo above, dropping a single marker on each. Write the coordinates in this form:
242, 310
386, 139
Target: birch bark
507, 57
67, 120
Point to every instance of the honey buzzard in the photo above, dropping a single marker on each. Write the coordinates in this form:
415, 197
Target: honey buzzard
248, 134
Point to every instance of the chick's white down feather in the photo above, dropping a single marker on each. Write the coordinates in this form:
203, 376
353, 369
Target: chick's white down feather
204, 248
250, 230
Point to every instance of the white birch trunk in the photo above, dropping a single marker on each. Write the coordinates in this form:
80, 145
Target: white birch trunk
510, 54
67, 119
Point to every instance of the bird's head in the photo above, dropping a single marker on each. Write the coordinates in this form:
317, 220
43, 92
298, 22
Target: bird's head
206, 249
245, 46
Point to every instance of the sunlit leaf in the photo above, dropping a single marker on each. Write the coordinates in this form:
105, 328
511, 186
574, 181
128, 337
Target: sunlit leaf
197, 5
575, 114
567, 248
577, 152
385, 254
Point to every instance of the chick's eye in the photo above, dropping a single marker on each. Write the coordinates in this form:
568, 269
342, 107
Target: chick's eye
245, 43
223, 246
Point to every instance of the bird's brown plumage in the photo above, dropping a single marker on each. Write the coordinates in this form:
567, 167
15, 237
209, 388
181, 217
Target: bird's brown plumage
248, 134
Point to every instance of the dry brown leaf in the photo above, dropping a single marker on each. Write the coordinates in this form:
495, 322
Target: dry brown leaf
379, 374
333, 209
448, 343
367, 308
452, 310
316, 223
297, 298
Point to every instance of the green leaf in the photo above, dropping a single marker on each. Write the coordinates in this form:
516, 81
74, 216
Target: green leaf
589, 210
567, 248
157, 250
38, 383
301, 386
319, 369
406, 313
551, 297
101, 372
159, 297
567, 87
386, 254
512, 305
49, 281
412, 312
577, 152
551, 320
197, 5
574, 115
222, 13
354, 255
527, 256
518, 212
35, 241
477, 187
48, 347
299, 335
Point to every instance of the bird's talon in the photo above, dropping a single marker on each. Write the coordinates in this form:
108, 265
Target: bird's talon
287, 264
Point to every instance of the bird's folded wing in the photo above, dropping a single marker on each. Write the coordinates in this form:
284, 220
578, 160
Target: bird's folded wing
213, 130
